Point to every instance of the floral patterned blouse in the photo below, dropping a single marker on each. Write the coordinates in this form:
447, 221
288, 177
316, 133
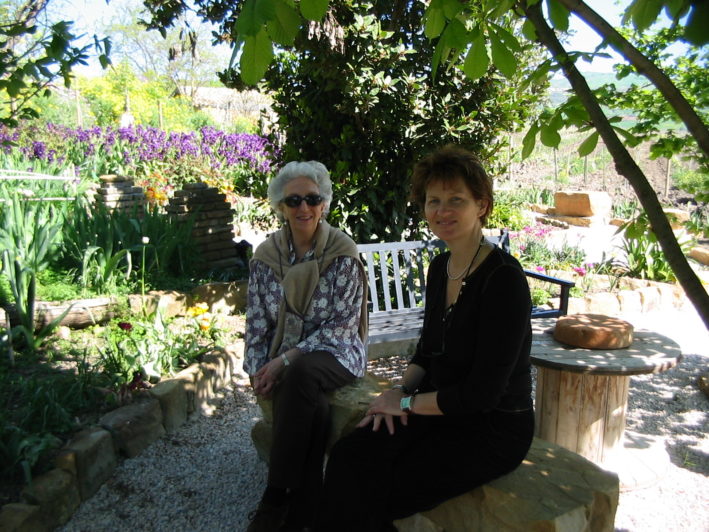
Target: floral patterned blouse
331, 323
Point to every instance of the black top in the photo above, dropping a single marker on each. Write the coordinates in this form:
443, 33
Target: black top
476, 354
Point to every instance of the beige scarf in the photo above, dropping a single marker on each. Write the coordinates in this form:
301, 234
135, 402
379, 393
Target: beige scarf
300, 280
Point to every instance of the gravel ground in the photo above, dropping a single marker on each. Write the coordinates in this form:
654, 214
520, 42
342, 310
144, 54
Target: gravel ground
207, 476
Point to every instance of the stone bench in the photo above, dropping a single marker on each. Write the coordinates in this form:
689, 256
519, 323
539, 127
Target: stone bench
553, 490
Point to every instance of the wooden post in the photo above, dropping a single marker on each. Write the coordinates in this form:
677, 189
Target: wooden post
667, 177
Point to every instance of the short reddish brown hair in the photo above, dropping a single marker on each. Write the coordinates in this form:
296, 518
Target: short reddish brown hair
445, 165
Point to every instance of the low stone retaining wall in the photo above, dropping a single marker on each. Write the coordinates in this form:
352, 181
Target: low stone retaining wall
626, 296
90, 457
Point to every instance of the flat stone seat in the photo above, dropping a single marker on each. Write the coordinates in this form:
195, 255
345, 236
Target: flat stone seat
347, 408
554, 490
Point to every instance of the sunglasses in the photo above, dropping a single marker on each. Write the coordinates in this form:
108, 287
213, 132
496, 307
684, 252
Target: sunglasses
295, 200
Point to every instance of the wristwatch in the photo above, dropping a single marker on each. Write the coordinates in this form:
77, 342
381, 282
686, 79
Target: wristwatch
407, 403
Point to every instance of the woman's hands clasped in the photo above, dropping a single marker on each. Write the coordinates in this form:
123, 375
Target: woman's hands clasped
267, 377
385, 407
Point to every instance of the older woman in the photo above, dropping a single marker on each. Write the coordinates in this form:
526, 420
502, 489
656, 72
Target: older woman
464, 409
305, 331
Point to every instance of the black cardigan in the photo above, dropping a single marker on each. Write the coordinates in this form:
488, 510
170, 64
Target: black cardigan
488, 337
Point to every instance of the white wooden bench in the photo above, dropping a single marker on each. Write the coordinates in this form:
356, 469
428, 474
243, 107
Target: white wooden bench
396, 274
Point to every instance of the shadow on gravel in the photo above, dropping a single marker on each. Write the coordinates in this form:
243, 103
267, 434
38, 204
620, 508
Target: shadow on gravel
672, 406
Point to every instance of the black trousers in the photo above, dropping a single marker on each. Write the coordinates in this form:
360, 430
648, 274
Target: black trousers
301, 418
373, 478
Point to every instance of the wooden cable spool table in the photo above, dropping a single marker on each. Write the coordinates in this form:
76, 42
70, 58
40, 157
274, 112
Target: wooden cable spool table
582, 394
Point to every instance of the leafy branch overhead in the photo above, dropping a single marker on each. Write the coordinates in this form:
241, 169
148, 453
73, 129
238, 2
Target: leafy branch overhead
475, 37
33, 57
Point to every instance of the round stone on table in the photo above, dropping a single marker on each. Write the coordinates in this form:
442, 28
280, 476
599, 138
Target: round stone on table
593, 331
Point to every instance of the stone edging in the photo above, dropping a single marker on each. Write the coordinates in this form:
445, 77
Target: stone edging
90, 457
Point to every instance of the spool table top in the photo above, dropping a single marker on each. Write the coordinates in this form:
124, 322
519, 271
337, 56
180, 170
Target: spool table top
650, 352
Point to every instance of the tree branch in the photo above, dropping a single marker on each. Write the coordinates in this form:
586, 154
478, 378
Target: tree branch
625, 165
643, 65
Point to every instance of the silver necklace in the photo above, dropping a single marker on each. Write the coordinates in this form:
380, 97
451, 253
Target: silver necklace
466, 270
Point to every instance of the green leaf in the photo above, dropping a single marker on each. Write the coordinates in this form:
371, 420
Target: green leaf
529, 31
256, 56
434, 22
559, 15
588, 145
502, 57
644, 12
549, 136
696, 29
284, 27
451, 8
314, 9
455, 35
529, 140
250, 20
476, 61
506, 37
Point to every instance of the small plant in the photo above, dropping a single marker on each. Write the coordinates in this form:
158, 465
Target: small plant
644, 257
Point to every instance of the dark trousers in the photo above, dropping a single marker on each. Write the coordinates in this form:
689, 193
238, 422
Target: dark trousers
373, 478
301, 418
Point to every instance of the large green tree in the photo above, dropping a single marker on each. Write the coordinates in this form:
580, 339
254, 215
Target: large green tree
473, 34
356, 91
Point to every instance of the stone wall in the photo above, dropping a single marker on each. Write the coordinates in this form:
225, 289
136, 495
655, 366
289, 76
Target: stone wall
213, 229
118, 193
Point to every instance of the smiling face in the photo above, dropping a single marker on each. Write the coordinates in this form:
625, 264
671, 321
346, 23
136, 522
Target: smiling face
452, 212
303, 219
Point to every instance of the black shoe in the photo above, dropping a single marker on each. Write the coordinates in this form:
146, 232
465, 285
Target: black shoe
267, 517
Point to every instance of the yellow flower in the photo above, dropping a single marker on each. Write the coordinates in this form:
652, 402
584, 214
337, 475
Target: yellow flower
198, 309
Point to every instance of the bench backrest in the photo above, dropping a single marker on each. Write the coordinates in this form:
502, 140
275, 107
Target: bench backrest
396, 273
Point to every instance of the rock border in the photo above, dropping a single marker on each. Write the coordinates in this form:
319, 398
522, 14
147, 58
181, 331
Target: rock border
90, 457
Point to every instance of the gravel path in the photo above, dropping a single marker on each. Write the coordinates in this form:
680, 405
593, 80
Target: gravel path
207, 476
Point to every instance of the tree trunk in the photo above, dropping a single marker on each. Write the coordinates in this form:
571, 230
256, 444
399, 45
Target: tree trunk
626, 166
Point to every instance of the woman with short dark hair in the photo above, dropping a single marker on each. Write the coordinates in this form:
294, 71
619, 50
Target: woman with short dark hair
463, 413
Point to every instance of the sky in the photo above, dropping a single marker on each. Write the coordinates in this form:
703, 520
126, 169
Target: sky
90, 15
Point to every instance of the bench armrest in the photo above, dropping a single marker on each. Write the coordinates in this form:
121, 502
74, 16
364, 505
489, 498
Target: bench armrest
565, 288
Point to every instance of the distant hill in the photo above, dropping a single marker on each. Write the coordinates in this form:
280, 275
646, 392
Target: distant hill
559, 87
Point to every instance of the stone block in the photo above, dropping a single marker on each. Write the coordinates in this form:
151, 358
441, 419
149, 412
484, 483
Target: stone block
603, 303
650, 298
90, 456
235, 356
676, 217
171, 395
700, 254
226, 298
169, 302
347, 407
214, 368
190, 377
20, 517
629, 301
668, 295
582, 203
134, 427
57, 495
577, 305
553, 490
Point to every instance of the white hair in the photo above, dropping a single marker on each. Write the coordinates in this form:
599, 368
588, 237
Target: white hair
313, 170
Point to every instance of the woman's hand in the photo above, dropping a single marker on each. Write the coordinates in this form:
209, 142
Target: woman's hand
386, 407
267, 377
